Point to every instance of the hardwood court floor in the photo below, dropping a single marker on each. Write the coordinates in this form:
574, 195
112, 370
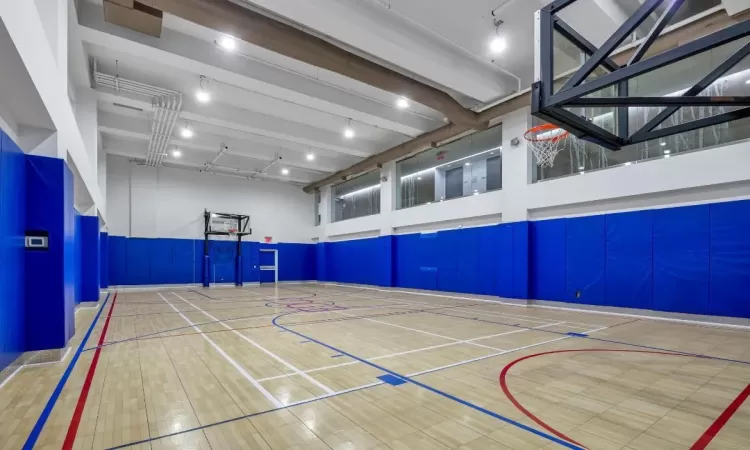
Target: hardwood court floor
319, 367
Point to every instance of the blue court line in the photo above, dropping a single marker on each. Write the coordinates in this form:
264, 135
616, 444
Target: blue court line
234, 419
609, 341
577, 334
336, 356
435, 390
37, 430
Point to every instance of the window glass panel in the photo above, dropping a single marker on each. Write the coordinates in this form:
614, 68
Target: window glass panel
358, 197
454, 170
317, 208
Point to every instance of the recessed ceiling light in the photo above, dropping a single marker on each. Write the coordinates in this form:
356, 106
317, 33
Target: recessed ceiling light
402, 103
348, 132
663, 144
666, 152
467, 164
202, 96
228, 43
176, 153
285, 171
498, 45
310, 156
419, 178
187, 133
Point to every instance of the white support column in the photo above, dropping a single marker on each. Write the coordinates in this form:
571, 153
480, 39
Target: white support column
388, 194
88, 122
517, 165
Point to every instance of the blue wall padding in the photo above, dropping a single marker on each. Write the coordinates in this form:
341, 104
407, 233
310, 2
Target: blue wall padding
321, 249
361, 261
144, 261
629, 266
548, 259
50, 275
88, 239
12, 224
520, 258
681, 259
78, 247
585, 260
730, 259
104, 260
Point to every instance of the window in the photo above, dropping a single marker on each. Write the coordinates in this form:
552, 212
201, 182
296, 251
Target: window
317, 208
358, 197
468, 166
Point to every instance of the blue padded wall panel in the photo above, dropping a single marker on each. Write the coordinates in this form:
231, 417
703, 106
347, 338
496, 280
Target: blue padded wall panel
681, 259
629, 277
320, 261
118, 260
548, 260
88, 238
138, 261
387, 261
50, 275
223, 260
12, 228
467, 259
450, 249
585, 260
250, 262
520, 259
730, 259
406, 258
78, 248
104, 260
296, 262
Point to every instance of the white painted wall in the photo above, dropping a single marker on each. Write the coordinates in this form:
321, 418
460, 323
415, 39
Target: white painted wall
39, 31
709, 175
166, 202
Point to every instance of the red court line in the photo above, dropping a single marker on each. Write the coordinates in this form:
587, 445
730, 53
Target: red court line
70, 437
722, 420
538, 421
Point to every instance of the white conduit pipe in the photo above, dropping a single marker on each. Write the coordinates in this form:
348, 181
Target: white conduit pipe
166, 104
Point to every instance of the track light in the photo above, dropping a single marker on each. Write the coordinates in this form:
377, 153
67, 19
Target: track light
285, 171
228, 43
186, 132
310, 156
498, 45
202, 95
402, 103
176, 153
349, 131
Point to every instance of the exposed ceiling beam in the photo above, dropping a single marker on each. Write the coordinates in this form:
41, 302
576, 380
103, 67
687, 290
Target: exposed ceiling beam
255, 28
672, 37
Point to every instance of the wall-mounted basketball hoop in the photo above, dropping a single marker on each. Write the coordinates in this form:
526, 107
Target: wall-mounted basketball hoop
234, 226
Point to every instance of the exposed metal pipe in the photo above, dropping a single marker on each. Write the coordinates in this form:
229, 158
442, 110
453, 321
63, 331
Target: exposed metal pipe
166, 105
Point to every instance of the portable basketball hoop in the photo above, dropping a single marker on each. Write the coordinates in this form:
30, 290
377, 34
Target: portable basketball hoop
545, 141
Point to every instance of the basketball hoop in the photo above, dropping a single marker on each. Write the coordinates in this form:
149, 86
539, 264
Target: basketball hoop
545, 141
232, 231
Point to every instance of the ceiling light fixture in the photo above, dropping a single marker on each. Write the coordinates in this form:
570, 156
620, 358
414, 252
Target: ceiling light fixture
581, 167
285, 171
747, 82
228, 43
402, 103
349, 131
663, 144
666, 152
202, 94
498, 45
419, 178
310, 156
467, 164
628, 163
186, 132
176, 153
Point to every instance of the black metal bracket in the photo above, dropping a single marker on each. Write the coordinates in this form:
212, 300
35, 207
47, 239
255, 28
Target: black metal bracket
577, 90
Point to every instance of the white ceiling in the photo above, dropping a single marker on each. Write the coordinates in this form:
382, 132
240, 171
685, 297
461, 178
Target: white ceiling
265, 104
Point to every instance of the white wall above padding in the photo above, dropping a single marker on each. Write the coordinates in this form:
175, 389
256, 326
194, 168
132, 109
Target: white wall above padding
169, 203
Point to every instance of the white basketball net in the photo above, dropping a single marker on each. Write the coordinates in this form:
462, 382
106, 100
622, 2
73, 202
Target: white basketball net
546, 142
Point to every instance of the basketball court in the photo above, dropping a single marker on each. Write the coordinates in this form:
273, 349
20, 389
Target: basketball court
315, 366
391, 334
